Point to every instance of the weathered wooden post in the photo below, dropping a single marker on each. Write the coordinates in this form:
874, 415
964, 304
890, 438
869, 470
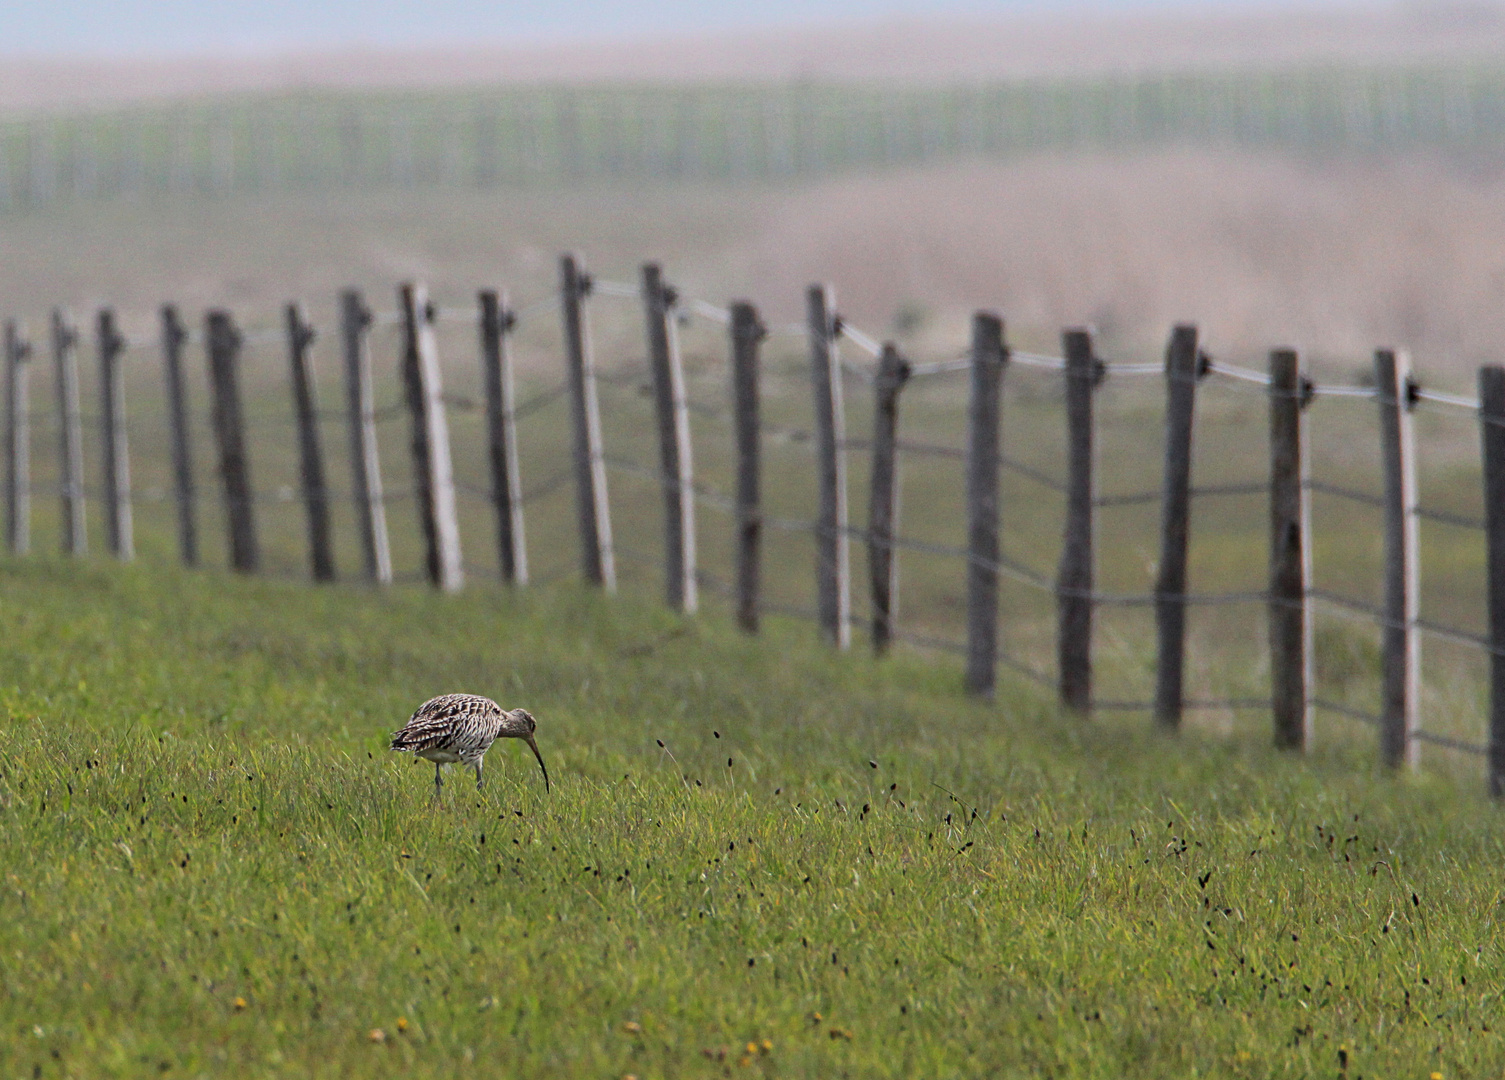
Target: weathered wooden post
983, 414
598, 560
223, 341
677, 473
174, 337
71, 456
365, 466
300, 337
17, 440
1400, 705
433, 469
883, 507
1291, 650
833, 570
119, 534
1075, 577
1181, 374
501, 434
747, 333
1492, 435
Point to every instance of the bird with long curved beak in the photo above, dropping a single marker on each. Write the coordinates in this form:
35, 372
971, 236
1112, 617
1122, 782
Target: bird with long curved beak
461, 728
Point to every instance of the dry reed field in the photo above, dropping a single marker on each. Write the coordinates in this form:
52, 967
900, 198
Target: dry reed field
1333, 257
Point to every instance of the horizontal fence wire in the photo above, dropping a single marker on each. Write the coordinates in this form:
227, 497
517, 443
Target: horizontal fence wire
708, 310
1450, 743
1029, 472
1453, 400
1133, 498
1014, 465
1458, 636
616, 289
1322, 487
940, 367
156, 494
1320, 390
540, 400
1371, 612
1361, 715
1445, 517
1139, 498
910, 446
959, 648
1213, 490
460, 402
1029, 359
1193, 704
1239, 374
863, 341
1004, 565
547, 487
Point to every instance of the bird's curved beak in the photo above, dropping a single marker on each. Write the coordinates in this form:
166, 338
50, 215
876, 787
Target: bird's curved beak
534, 746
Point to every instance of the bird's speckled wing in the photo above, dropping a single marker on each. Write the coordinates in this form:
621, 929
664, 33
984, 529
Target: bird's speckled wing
462, 723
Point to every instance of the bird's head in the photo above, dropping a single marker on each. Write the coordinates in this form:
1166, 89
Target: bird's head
523, 722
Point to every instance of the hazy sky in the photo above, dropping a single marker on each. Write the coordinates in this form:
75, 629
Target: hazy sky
135, 27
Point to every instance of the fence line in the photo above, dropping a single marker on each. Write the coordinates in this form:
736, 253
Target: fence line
551, 136
1292, 598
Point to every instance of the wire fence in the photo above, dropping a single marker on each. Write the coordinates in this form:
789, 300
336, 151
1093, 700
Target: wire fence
557, 135
616, 420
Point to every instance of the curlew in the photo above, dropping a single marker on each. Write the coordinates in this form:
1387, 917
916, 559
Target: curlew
462, 727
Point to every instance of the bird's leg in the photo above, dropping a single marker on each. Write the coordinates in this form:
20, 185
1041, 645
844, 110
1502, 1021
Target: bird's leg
477, 767
438, 782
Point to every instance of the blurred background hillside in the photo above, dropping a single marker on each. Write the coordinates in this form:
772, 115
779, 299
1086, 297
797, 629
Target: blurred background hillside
1324, 177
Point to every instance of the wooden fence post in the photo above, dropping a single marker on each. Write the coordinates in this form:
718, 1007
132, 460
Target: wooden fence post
433, 469
1400, 706
1181, 373
223, 343
983, 414
501, 431
71, 456
883, 507
1075, 577
119, 534
300, 336
1291, 650
365, 465
747, 333
1492, 435
833, 571
676, 470
174, 337
598, 560
17, 440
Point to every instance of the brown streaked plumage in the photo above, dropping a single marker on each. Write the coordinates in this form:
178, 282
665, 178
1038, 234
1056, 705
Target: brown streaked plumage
461, 728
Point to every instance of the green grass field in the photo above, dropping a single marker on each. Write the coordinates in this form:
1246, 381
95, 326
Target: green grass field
213, 866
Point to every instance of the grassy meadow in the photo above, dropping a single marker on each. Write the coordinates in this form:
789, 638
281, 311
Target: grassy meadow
213, 866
